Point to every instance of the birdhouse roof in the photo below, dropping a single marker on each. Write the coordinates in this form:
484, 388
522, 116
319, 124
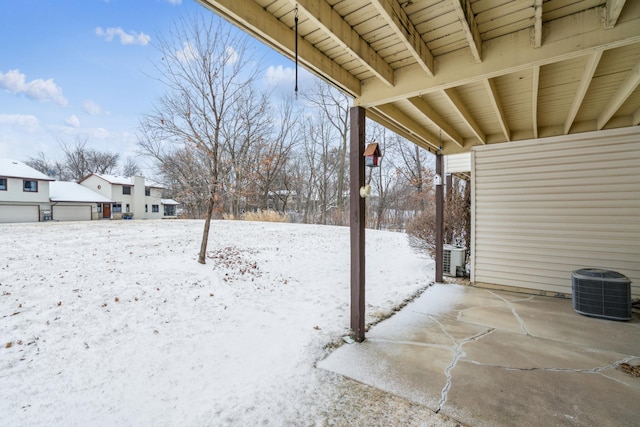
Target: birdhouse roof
372, 150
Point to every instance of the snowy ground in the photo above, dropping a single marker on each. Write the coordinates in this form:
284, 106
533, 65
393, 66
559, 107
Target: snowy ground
115, 323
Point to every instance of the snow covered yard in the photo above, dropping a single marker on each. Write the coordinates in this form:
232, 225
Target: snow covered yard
115, 323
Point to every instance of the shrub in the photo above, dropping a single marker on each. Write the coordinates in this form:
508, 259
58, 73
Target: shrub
266, 216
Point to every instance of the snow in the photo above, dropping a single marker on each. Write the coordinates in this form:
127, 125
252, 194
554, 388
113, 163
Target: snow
115, 323
126, 180
14, 169
62, 191
168, 202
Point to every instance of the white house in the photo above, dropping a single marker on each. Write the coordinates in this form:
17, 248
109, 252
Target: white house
24, 192
130, 196
75, 202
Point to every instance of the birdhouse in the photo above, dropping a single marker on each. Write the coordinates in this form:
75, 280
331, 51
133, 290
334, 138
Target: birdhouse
372, 155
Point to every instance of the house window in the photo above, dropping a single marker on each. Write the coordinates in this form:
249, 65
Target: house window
117, 207
147, 191
126, 189
3, 184
30, 186
169, 210
146, 208
127, 208
99, 207
155, 208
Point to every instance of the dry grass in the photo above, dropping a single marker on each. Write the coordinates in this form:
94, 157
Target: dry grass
266, 216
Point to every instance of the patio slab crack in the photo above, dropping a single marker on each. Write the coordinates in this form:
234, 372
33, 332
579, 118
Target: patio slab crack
458, 353
523, 326
596, 370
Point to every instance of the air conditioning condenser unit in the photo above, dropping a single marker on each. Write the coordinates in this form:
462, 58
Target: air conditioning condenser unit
453, 258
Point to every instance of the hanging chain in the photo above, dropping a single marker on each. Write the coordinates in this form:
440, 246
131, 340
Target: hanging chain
296, 20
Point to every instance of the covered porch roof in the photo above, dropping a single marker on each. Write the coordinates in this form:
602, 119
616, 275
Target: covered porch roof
449, 75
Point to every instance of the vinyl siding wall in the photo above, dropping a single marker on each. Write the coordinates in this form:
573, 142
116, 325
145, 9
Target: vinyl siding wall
542, 209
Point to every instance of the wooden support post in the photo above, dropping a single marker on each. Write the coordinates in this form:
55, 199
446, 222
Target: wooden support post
439, 218
356, 221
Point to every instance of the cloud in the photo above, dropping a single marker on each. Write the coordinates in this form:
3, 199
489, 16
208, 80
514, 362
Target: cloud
40, 90
132, 37
187, 54
275, 76
174, 1
92, 108
73, 121
25, 122
231, 56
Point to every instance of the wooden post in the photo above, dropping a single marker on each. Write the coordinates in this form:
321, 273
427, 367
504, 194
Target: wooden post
439, 218
356, 221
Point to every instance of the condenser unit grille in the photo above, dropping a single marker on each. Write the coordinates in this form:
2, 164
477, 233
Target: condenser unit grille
601, 293
446, 260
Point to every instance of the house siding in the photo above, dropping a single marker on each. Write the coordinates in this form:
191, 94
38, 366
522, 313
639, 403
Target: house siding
542, 209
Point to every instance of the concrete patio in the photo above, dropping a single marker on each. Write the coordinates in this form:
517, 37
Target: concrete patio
494, 358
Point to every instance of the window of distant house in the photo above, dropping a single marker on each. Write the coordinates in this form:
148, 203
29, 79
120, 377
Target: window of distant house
127, 208
146, 208
117, 207
147, 191
126, 189
3, 183
99, 207
155, 208
30, 186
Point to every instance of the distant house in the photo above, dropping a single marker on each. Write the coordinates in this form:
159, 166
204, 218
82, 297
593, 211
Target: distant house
27, 195
24, 192
131, 196
75, 202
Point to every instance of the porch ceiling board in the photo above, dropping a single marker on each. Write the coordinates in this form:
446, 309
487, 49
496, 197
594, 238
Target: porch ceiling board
475, 71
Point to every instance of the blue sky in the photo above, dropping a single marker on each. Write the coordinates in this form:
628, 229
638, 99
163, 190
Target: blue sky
80, 68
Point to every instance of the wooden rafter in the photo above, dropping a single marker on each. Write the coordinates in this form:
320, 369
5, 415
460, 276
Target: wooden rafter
264, 26
534, 100
621, 95
537, 23
398, 20
636, 118
612, 11
331, 23
469, 27
494, 98
395, 115
436, 119
589, 69
454, 69
454, 99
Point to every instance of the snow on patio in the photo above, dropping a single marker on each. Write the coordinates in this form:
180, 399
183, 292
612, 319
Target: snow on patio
115, 323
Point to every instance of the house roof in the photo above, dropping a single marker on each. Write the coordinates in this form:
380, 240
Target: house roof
123, 180
61, 191
449, 75
14, 169
168, 202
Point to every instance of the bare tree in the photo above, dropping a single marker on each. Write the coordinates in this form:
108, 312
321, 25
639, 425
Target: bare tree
81, 161
205, 67
130, 167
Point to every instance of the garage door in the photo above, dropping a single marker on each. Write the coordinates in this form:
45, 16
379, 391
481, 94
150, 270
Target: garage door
71, 213
13, 213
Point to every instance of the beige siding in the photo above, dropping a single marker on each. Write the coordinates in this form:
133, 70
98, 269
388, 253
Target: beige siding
455, 163
546, 208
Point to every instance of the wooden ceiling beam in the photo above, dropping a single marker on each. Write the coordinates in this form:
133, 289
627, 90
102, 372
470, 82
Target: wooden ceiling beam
415, 128
252, 18
332, 24
456, 102
537, 23
612, 11
506, 55
589, 70
494, 98
392, 125
636, 118
469, 27
398, 20
624, 91
437, 120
